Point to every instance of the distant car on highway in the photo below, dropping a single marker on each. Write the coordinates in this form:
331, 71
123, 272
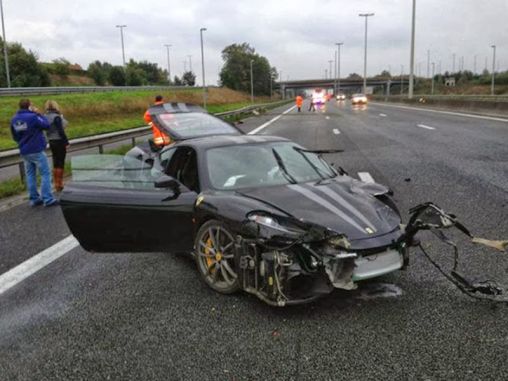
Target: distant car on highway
258, 213
359, 99
341, 97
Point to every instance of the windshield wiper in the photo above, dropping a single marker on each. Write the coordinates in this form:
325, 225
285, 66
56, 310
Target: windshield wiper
302, 151
283, 168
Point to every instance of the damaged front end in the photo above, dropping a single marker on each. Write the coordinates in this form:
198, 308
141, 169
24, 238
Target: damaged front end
291, 262
287, 261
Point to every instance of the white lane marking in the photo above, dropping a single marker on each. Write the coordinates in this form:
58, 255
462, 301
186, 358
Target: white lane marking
37, 262
336, 131
383, 115
263, 126
366, 177
426, 127
444, 112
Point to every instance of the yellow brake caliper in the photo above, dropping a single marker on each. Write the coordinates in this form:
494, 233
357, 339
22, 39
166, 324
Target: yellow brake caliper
208, 257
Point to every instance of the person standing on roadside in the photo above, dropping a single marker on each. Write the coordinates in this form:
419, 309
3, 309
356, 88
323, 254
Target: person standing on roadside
299, 103
160, 139
58, 141
27, 130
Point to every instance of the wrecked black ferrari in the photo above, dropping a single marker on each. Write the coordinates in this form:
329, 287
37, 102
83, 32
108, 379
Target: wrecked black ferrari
258, 213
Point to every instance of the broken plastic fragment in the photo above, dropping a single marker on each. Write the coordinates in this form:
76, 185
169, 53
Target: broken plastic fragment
498, 245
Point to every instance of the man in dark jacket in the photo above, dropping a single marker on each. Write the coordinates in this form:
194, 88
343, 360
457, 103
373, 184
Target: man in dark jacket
27, 130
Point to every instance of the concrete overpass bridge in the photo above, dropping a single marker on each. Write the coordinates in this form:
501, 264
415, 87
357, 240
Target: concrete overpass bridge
350, 86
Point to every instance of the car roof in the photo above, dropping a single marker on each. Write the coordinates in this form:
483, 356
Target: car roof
230, 140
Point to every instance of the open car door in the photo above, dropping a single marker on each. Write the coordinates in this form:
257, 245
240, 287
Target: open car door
113, 205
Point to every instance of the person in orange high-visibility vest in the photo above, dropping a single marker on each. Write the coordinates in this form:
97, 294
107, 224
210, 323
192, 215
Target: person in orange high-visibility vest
160, 139
299, 102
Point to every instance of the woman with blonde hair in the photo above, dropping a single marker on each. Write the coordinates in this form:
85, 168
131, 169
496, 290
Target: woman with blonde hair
58, 141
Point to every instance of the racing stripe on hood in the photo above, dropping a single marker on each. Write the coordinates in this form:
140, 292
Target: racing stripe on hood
346, 205
321, 201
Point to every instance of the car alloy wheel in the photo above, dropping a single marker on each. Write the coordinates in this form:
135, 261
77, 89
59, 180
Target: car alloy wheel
215, 256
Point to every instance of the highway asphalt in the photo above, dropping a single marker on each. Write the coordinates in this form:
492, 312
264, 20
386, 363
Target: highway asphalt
149, 316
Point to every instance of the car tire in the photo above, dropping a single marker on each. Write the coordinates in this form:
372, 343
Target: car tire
214, 252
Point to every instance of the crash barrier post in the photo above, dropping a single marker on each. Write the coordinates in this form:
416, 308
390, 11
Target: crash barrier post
11, 157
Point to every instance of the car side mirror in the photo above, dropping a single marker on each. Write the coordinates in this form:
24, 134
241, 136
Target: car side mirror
168, 182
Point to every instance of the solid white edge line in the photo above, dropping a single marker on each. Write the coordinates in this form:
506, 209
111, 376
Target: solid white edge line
263, 126
444, 112
35, 263
366, 177
336, 131
426, 127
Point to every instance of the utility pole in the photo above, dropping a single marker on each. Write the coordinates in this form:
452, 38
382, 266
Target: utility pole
335, 74
428, 63
412, 54
453, 63
190, 62
6, 56
271, 85
203, 66
184, 66
366, 15
326, 73
121, 38
169, 67
401, 76
432, 81
282, 91
339, 44
474, 64
493, 68
251, 83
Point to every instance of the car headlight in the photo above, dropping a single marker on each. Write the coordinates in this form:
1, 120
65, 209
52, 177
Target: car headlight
273, 222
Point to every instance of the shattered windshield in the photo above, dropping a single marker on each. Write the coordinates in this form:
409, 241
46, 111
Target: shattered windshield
244, 166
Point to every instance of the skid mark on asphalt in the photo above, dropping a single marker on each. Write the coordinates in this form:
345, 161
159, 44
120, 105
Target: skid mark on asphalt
426, 127
37, 262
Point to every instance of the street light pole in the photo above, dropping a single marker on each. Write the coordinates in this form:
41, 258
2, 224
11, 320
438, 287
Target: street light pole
6, 57
330, 64
493, 68
412, 56
474, 65
251, 83
190, 62
401, 76
428, 63
121, 38
203, 66
366, 15
338, 64
432, 82
169, 67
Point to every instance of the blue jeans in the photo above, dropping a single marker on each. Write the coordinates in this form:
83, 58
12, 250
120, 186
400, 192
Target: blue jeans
34, 161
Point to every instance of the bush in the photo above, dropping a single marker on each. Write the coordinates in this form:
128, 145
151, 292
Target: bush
117, 76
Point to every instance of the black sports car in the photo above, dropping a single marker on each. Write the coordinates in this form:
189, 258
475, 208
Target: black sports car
259, 213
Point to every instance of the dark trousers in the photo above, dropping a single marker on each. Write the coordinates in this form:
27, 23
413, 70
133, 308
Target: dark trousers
58, 152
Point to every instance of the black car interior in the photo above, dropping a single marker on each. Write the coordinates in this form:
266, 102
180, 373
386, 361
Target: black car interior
183, 166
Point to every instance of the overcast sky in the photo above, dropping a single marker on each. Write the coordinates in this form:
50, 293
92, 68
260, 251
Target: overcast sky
297, 36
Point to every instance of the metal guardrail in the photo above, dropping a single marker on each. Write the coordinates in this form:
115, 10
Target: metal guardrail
25, 91
9, 158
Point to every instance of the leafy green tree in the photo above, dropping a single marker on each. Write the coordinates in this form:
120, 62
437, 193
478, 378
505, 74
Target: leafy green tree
235, 72
189, 78
135, 76
354, 76
117, 76
25, 70
177, 81
99, 72
61, 66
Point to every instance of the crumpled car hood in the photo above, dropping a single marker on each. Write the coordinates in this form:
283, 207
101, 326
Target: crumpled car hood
342, 205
